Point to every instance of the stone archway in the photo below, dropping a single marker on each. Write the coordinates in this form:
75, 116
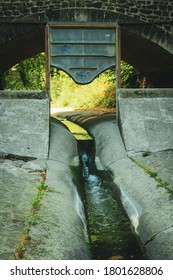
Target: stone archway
146, 46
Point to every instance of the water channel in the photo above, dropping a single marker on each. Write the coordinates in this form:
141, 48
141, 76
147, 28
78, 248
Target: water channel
109, 231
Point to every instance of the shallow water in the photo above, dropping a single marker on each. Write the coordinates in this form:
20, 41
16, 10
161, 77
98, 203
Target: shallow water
109, 229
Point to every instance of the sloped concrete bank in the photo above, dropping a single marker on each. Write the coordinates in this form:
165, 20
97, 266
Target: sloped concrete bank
149, 208
53, 228
61, 234
18, 186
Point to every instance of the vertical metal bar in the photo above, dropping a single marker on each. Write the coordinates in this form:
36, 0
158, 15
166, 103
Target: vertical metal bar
47, 58
118, 68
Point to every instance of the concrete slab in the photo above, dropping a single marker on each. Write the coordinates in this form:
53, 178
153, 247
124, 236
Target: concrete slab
63, 147
160, 163
61, 232
24, 123
61, 228
146, 119
148, 207
103, 138
17, 189
57, 229
159, 248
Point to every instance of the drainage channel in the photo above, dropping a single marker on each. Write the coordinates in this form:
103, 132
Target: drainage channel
109, 230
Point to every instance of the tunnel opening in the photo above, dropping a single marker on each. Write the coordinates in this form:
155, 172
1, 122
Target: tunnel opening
152, 59
66, 93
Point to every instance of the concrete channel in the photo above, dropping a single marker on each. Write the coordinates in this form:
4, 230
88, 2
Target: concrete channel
58, 230
148, 206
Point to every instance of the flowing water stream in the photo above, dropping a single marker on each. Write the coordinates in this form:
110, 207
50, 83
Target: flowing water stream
109, 230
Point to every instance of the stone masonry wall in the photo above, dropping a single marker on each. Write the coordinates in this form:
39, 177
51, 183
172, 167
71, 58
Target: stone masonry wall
140, 10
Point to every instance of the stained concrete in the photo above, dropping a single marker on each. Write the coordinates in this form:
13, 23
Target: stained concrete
149, 207
146, 119
24, 123
61, 233
57, 230
17, 189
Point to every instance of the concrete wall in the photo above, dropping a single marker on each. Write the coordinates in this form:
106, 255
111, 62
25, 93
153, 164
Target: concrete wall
148, 206
24, 123
146, 119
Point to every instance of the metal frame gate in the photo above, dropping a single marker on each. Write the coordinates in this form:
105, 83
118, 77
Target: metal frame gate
83, 50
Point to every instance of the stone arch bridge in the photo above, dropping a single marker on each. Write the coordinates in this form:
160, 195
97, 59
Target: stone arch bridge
147, 30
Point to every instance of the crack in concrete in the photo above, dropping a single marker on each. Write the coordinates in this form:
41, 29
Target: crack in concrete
155, 235
58, 161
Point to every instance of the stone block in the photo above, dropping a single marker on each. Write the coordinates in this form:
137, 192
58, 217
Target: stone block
24, 124
147, 119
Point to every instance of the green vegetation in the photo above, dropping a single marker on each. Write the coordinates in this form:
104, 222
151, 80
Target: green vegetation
146, 169
160, 183
31, 220
164, 184
146, 153
24, 240
66, 93
30, 74
36, 202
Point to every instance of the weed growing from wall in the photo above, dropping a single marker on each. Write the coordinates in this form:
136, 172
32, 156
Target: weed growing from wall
160, 183
31, 220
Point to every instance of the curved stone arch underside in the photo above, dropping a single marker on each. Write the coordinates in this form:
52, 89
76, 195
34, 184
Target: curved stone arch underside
146, 46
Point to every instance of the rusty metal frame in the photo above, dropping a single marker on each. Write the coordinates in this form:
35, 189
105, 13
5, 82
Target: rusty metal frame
80, 24
47, 58
118, 69
99, 25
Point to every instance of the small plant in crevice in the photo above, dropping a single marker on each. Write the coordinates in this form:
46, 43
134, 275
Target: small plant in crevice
160, 183
147, 170
146, 153
42, 186
24, 240
31, 220
152, 174
36, 202
164, 184
149, 239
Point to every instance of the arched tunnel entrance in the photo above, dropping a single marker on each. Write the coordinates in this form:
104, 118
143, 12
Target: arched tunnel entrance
20, 41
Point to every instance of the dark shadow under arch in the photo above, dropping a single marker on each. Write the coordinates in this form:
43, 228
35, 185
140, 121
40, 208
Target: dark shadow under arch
139, 44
